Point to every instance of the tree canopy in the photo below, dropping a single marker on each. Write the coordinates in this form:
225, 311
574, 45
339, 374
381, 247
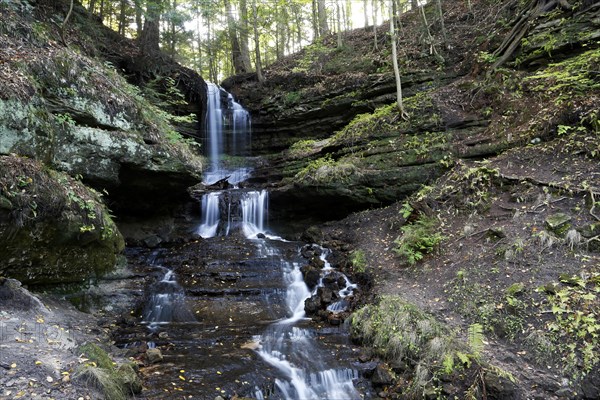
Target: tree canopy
219, 38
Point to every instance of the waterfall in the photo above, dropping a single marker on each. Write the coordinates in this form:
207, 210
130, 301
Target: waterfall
228, 131
214, 127
210, 215
254, 212
166, 303
304, 372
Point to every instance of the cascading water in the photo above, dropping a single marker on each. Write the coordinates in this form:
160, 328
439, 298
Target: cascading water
303, 373
166, 303
228, 132
210, 215
254, 213
293, 351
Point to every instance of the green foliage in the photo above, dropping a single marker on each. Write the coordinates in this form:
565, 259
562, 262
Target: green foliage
325, 170
358, 260
402, 333
301, 148
576, 327
418, 239
64, 119
576, 76
485, 57
292, 98
313, 57
104, 380
476, 339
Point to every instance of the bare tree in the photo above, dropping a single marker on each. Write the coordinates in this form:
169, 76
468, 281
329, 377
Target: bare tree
322, 13
399, 102
259, 73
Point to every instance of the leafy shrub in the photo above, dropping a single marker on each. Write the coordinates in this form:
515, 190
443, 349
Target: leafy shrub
417, 239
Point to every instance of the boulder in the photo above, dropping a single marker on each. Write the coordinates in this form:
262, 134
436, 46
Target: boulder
154, 356
382, 376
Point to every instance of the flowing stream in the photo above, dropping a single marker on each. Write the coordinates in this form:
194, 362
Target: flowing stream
230, 308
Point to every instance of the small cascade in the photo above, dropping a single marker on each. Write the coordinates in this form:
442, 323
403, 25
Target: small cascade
166, 303
348, 289
241, 127
254, 212
210, 215
293, 351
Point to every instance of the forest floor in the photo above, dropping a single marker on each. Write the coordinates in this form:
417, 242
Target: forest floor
502, 260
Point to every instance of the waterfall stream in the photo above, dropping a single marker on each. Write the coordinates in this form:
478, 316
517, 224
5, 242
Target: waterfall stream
243, 292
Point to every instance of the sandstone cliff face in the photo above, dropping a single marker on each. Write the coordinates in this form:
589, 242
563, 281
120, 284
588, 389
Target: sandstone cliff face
333, 145
64, 112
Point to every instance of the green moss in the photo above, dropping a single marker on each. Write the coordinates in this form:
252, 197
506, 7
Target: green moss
106, 381
96, 355
358, 260
325, 170
58, 228
575, 76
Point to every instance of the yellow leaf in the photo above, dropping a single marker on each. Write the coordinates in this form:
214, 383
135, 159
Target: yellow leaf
218, 372
182, 378
13, 365
182, 371
38, 362
40, 320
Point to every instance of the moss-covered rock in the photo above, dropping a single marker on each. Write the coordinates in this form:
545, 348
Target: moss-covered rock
53, 228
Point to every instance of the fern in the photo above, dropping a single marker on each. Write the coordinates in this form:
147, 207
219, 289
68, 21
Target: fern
501, 373
476, 339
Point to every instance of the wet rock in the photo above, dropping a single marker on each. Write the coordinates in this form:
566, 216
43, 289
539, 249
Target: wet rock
325, 294
311, 276
154, 356
366, 369
382, 375
499, 388
312, 235
558, 223
129, 378
334, 319
152, 241
590, 386
312, 305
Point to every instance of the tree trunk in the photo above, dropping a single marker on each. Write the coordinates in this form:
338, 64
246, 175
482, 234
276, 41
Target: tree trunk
92, 6
366, 13
150, 38
244, 50
339, 24
399, 101
101, 10
236, 53
322, 11
259, 73
122, 19
374, 5
138, 17
442, 24
315, 20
